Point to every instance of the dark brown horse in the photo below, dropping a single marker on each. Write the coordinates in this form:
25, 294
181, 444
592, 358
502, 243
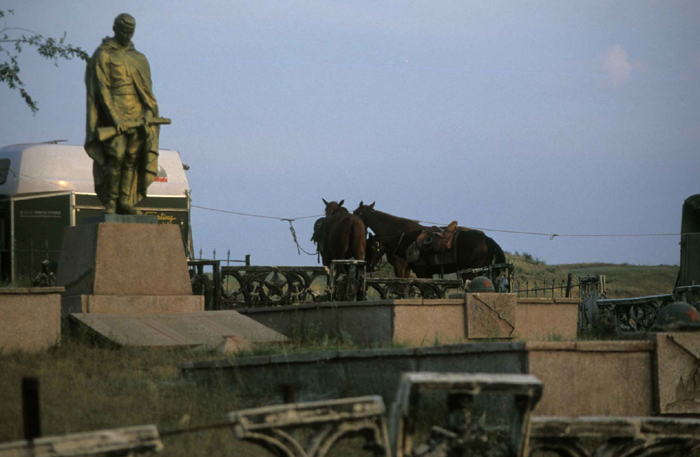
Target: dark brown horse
394, 235
343, 234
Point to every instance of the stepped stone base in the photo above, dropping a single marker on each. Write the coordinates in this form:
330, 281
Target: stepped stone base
123, 259
131, 304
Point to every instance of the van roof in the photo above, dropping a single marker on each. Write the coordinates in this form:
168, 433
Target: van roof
50, 168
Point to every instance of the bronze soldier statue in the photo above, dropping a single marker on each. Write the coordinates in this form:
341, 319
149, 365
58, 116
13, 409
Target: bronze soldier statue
122, 120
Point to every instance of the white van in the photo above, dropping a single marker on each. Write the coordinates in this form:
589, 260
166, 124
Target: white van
45, 187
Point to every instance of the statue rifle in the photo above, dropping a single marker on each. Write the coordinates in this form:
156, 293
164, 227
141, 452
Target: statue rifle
105, 133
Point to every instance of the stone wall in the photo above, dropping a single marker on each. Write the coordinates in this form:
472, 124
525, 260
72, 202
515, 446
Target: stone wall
30, 318
539, 319
594, 378
328, 375
420, 322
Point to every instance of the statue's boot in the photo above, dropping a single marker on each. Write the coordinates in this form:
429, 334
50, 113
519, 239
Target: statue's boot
112, 186
125, 192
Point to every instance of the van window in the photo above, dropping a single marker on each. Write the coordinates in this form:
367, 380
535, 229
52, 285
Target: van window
4, 170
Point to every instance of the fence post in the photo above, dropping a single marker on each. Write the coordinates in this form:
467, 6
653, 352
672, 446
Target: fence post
247, 260
228, 257
553, 283
200, 253
214, 254
31, 414
568, 285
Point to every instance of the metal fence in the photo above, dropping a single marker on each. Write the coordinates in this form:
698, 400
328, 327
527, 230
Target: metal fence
548, 288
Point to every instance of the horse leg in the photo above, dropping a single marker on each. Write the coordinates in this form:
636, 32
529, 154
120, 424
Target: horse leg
401, 267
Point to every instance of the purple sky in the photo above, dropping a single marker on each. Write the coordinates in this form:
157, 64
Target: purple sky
544, 116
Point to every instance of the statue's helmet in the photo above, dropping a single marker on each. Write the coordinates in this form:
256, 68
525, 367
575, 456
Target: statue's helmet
125, 20
677, 316
480, 284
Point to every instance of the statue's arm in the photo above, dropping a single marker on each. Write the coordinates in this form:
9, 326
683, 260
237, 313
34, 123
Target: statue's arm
104, 88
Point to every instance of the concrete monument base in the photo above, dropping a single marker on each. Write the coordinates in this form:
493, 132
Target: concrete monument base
125, 265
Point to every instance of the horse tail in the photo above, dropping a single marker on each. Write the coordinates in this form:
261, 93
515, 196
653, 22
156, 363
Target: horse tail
495, 250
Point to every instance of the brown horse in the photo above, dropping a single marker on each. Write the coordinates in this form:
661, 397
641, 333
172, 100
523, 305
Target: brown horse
394, 235
343, 234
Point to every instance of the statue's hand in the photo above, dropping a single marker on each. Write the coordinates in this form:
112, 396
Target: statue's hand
121, 127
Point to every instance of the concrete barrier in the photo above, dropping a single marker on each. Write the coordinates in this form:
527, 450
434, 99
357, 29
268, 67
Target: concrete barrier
342, 374
421, 322
594, 378
585, 378
30, 318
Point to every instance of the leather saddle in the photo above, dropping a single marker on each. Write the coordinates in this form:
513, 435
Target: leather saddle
437, 239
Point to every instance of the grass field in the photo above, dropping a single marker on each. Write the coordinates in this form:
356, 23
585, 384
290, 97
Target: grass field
87, 387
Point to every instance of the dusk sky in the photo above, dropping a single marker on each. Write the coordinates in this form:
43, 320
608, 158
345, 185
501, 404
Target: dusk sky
550, 117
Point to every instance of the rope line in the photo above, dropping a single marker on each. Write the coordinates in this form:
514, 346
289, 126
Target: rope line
294, 236
554, 235
256, 215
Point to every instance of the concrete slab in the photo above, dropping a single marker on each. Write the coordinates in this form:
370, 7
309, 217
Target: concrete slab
178, 329
491, 315
678, 372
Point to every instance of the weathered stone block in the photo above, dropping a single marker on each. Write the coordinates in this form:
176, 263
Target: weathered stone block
425, 324
123, 259
491, 315
128, 441
594, 378
30, 318
539, 319
678, 372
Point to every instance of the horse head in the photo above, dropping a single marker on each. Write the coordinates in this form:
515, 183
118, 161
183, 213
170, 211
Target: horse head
334, 207
373, 252
361, 208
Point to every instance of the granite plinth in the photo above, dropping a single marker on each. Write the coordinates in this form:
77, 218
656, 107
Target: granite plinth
123, 259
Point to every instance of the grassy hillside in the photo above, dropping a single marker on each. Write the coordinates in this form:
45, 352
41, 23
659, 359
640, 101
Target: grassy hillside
623, 280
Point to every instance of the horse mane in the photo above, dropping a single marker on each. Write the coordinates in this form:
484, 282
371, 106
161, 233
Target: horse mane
334, 208
390, 219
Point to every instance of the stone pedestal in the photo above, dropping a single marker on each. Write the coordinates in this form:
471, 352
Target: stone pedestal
129, 265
